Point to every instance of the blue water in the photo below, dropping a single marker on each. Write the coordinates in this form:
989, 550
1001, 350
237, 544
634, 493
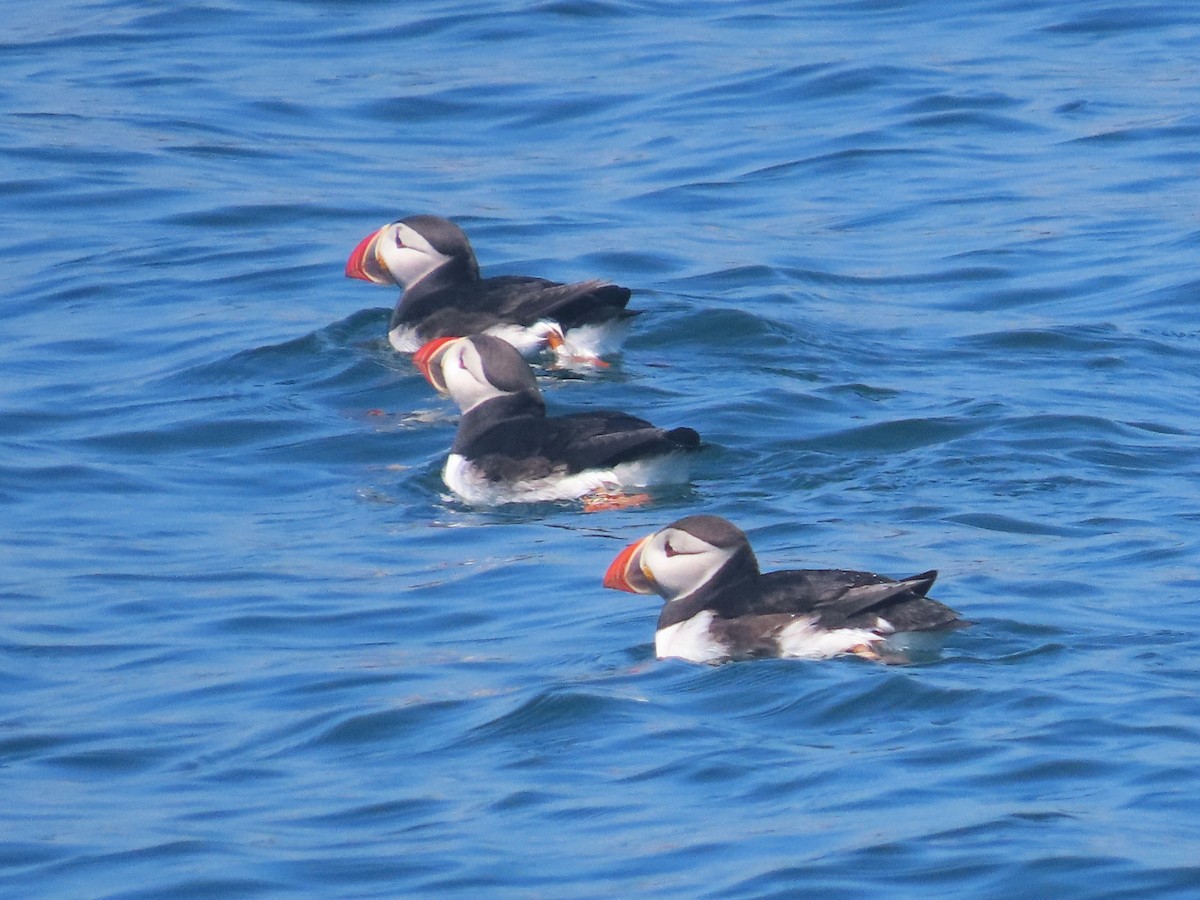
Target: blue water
924, 277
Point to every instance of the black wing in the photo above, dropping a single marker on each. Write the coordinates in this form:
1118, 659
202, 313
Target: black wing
525, 300
593, 440
533, 447
444, 304
844, 599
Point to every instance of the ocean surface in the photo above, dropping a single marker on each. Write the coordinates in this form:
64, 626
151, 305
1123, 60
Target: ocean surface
923, 275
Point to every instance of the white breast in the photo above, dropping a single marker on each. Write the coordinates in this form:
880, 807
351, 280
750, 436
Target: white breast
802, 640
689, 640
403, 339
590, 342
471, 485
527, 339
578, 351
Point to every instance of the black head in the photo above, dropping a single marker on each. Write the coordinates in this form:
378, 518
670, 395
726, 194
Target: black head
446, 238
503, 366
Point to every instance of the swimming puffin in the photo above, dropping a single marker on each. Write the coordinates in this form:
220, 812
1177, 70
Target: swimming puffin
442, 295
508, 450
720, 607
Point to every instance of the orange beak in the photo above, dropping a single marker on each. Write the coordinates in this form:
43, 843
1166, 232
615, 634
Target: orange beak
364, 262
625, 573
428, 359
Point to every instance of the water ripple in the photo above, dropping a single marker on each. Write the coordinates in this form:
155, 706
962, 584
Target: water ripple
921, 277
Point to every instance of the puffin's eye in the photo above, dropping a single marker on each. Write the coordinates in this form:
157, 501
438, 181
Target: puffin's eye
399, 243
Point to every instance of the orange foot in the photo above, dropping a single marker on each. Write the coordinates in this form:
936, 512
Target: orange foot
556, 342
600, 502
866, 652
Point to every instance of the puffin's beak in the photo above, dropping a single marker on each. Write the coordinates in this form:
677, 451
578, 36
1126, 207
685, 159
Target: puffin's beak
364, 263
625, 573
429, 358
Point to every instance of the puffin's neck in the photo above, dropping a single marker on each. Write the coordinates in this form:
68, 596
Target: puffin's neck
430, 292
736, 577
486, 414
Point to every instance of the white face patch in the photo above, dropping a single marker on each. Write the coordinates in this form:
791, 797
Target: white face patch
678, 562
465, 380
406, 255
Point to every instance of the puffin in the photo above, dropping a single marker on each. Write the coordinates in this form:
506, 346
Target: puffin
720, 607
443, 295
508, 450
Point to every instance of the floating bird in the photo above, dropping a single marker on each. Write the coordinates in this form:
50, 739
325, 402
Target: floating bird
443, 295
721, 607
508, 450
